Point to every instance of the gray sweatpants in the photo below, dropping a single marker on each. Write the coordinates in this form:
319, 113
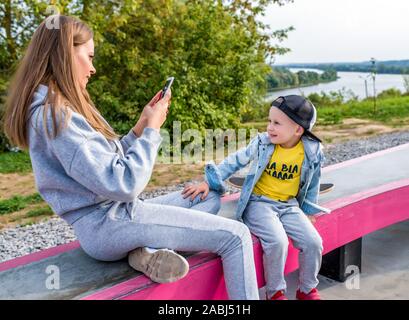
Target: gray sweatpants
271, 221
172, 222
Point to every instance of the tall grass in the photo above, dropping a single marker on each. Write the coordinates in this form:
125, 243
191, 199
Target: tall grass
387, 109
15, 162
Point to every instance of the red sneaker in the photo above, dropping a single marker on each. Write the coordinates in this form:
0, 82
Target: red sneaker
279, 295
312, 295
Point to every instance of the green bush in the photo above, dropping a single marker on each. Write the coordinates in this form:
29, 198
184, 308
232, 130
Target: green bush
215, 57
390, 93
332, 98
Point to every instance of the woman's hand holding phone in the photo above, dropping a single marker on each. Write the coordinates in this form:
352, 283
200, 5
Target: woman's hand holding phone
154, 113
157, 111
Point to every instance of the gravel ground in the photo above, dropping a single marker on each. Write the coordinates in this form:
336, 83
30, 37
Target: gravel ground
15, 242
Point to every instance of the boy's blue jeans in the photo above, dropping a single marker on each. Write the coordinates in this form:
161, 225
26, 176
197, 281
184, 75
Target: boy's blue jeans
272, 221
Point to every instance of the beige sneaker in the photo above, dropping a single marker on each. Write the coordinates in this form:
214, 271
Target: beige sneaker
160, 265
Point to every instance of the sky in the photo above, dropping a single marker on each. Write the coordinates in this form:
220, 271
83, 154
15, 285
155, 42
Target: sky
342, 30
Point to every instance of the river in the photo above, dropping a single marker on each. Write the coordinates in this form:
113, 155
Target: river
354, 81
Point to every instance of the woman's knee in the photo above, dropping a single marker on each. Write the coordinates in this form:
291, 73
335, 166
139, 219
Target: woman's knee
237, 234
243, 230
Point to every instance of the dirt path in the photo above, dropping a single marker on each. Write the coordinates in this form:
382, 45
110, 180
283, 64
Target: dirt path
352, 129
12, 184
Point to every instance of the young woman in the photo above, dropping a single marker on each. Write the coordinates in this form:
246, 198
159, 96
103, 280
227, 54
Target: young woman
92, 179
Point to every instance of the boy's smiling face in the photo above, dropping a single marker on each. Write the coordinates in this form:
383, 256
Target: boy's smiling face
283, 130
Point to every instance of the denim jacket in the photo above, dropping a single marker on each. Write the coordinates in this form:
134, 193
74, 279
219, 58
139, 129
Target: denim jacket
258, 153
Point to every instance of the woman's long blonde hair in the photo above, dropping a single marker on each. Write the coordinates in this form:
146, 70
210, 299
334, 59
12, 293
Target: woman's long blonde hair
49, 60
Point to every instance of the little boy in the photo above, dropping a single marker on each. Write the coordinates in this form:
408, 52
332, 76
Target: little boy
280, 192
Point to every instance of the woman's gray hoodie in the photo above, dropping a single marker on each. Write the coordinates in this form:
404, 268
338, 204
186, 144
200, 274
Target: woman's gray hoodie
80, 171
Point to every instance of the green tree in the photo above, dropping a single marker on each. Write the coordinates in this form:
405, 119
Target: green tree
18, 21
217, 51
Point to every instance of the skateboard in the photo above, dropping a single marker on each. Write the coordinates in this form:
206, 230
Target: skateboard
237, 182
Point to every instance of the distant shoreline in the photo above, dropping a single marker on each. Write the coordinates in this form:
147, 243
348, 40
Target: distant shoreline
381, 68
300, 86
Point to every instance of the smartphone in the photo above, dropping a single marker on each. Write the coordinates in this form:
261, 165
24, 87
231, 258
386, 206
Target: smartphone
167, 86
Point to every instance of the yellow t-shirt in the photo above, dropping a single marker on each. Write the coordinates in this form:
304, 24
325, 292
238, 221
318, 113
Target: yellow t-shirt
280, 179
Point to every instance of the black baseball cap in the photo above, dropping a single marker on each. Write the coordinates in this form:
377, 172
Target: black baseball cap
300, 110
